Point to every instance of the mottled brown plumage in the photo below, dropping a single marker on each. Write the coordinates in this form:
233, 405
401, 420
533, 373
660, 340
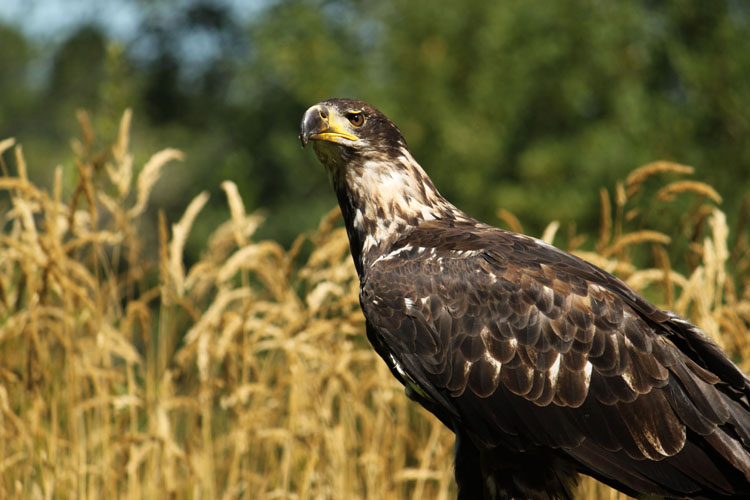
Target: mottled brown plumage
543, 365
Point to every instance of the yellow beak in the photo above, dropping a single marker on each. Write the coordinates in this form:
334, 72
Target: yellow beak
320, 124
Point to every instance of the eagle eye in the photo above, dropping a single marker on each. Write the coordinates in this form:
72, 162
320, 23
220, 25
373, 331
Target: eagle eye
356, 118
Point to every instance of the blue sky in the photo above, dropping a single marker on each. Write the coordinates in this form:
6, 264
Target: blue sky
49, 20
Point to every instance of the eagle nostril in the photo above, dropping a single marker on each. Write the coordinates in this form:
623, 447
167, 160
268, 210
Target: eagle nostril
323, 114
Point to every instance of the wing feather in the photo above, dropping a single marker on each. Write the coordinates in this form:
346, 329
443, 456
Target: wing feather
547, 350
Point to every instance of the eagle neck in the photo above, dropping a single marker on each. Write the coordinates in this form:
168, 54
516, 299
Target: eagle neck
382, 198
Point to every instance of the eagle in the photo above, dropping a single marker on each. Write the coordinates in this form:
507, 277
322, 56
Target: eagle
543, 365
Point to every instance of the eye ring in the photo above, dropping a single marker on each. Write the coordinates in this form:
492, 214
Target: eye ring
356, 118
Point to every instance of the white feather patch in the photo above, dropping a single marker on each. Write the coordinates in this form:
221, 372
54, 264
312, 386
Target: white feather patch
587, 372
359, 220
395, 253
628, 378
369, 242
554, 371
398, 367
497, 365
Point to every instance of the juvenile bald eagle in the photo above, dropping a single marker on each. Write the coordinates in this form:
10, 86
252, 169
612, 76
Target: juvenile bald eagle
543, 365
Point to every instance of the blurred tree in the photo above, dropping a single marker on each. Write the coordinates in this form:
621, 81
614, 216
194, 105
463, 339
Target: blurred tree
78, 68
15, 92
530, 106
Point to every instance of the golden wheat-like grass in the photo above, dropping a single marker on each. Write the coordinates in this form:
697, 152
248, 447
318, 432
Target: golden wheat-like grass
246, 374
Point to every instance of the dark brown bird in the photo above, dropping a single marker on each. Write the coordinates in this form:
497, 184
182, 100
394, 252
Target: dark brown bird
542, 364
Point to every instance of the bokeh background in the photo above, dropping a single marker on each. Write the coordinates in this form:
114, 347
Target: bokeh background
528, 106
191, 329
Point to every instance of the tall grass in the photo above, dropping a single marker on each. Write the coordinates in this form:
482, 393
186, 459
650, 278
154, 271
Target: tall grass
246, 374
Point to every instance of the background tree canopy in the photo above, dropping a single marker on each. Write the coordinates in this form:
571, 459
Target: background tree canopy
527, 106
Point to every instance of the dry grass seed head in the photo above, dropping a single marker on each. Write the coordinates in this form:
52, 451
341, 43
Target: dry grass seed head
635, 179
633, 238
511, 220
149, 175
669, 192
6, 144
180, 232
605, 230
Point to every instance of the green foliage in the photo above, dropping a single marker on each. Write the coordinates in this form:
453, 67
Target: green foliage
527, 106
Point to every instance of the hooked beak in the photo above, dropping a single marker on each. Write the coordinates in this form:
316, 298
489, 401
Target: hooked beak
320, 124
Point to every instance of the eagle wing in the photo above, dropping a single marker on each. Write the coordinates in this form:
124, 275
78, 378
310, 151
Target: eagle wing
528, 347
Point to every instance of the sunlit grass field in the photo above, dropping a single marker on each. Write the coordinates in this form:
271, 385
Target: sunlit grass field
247, 374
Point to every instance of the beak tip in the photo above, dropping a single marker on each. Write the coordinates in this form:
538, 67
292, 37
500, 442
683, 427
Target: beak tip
310, 122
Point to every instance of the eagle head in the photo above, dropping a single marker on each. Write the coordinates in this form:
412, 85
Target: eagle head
345, 129
382, 190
